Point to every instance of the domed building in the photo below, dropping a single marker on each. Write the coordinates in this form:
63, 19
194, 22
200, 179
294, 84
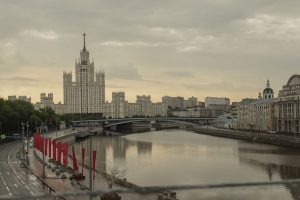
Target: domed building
287, 106
268, 92
257, 114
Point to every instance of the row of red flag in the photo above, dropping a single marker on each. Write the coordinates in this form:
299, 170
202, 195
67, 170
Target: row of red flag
55, 149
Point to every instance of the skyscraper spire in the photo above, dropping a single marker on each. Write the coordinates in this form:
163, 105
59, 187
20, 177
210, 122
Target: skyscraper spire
84, 42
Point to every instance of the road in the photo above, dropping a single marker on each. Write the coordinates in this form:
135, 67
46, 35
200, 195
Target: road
16, 180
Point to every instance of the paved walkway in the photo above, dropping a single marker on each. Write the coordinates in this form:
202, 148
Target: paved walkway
60, 185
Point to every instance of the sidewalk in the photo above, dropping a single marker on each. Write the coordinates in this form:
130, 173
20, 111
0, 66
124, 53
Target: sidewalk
60, 185
52, 181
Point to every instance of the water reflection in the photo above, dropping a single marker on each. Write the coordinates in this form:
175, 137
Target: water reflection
144, 148
177, 157
117, 145
289, 169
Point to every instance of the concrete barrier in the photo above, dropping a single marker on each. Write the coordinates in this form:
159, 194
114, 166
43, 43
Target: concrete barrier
258, 137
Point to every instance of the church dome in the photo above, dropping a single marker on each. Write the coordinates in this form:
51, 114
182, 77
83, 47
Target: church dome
268, 92
294, 80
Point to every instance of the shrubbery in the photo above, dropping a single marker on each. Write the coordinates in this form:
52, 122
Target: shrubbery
13, 113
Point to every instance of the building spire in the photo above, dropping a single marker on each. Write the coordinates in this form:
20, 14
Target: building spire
268, 83
259, 95
84, 49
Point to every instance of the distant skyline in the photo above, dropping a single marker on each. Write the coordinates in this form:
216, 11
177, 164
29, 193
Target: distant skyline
226, 48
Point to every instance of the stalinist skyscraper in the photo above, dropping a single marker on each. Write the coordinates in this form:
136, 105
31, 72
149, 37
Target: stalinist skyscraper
87, 93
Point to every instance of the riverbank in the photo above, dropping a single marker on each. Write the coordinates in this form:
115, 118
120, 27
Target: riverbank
99, 181
258, 137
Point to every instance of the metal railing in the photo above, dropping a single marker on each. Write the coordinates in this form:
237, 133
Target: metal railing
152, 189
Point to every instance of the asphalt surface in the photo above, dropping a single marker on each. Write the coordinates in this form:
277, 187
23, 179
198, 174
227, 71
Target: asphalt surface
15, 180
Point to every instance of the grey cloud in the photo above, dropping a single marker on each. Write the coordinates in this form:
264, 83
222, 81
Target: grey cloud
134, 44
17, 82
126, 72
179, 74
233, 39
20, 79
48, 34
226, 86
117, 86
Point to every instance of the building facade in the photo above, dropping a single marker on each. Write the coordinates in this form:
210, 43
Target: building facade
287, 106
173, 102
159, 110
257, 114
194, 112
45, 101
219, 105
217, 101
145, 104
143, 107
22, 98
118, 105
87, 93
134, 110
190, 102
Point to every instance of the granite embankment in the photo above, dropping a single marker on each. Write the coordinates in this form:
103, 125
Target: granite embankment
259, 137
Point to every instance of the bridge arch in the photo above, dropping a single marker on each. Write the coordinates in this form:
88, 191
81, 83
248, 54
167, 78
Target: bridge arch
150, 120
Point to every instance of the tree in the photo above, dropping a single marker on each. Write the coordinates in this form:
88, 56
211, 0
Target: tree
113, 175
12, 113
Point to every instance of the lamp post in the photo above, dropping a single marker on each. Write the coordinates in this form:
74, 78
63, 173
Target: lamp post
91, 175
43, 143
22, 137
27, 125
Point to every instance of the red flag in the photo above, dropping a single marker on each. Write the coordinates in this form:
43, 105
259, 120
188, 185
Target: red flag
66, 153
46, 146
75, 166
59, 151
82, 159
94, 162
50, 145
54, 149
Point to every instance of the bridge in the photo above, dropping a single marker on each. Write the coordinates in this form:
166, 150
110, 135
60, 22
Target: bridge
106, 123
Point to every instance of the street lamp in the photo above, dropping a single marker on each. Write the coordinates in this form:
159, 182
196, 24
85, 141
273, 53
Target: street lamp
91, 176
43, 143
27, 125
22, 137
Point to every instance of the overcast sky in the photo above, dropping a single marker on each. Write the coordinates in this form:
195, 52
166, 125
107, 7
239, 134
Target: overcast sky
154, 47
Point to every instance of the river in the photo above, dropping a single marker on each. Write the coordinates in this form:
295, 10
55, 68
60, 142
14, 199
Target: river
179, 157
